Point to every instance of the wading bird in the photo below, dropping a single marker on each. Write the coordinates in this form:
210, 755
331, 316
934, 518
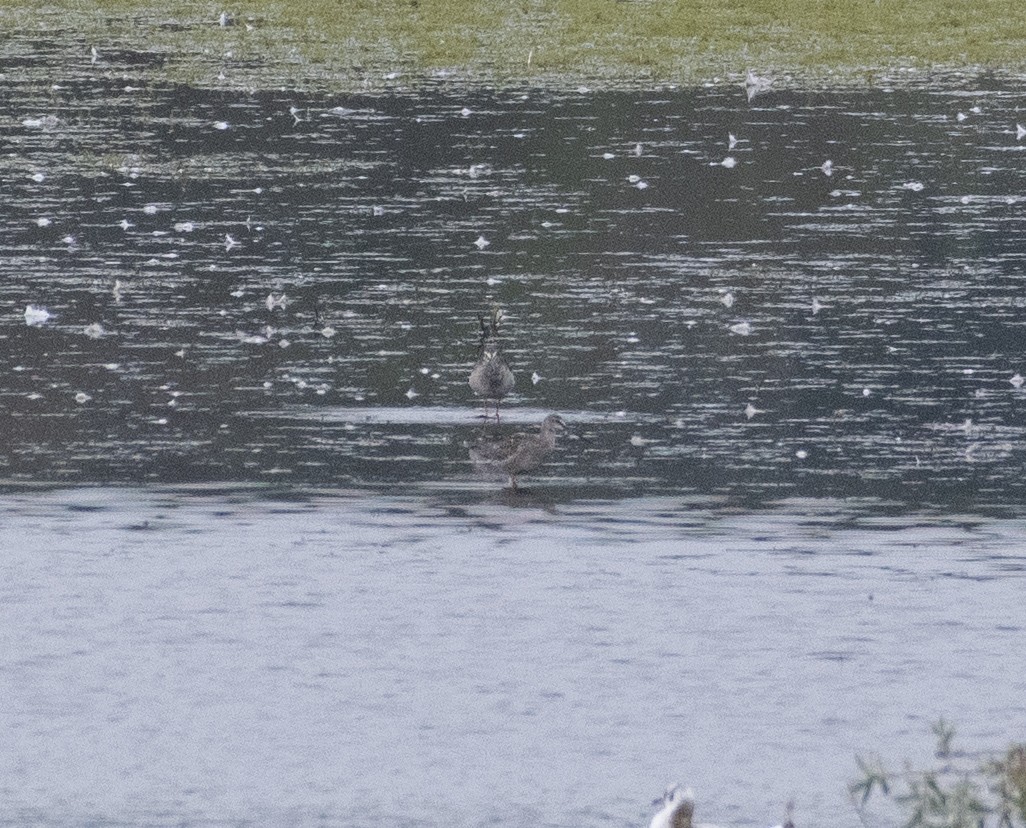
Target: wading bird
518, 455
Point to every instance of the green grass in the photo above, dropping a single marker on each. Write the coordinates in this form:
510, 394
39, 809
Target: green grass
348, 44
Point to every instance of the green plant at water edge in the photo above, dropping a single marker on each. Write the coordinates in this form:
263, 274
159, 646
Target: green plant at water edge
963, 792
1009, 784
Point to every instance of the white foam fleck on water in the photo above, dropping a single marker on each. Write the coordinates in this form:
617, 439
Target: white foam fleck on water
36, 316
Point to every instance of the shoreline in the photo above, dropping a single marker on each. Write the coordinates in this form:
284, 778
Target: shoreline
392, 46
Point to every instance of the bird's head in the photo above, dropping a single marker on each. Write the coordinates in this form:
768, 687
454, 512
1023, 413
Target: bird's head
554, 423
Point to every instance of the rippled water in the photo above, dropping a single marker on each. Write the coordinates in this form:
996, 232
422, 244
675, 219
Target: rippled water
211, 658
784, 528
761, 329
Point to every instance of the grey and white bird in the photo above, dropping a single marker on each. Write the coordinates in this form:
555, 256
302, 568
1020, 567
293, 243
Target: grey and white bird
491, 377
519, 454
677, 811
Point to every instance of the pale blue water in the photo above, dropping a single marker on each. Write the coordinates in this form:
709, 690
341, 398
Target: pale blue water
454, 658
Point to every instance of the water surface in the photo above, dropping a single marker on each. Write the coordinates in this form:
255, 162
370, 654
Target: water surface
249, 574
200, 658
233, 281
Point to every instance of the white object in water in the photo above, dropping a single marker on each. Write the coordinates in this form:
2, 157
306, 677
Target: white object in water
42, 122
36, 317
1020, 132
731, 140
741, 328
273, 301
756, 85
729, 162
828, 168
678, 808
481, 243
1017, 380
94, 331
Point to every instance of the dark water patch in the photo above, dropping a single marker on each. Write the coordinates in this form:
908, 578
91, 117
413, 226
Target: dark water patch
227, 276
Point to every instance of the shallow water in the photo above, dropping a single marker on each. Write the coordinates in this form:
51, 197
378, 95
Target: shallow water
785, 526
760, 330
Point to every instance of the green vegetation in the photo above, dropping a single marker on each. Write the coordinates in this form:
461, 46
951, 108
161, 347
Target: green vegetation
963, 792
349, 44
